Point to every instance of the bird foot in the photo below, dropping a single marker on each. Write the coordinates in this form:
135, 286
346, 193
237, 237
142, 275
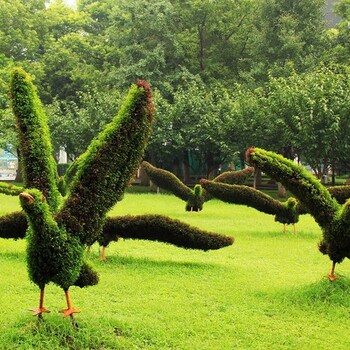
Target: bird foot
103, 258
69, 312
332, 277
38, 311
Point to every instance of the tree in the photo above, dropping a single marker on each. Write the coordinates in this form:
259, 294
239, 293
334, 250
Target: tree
74, 124
193, 125
338, 38
290, 36
314, 110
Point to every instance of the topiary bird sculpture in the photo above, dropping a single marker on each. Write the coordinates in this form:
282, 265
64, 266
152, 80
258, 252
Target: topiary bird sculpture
58, 231
332, 217
194, 198
285, 213
57, 237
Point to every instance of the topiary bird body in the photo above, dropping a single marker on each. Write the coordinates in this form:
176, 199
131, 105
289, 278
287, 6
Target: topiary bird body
53, 254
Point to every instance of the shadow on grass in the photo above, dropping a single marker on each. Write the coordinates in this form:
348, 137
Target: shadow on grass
12, 255
115, 261
322, 292
53, 333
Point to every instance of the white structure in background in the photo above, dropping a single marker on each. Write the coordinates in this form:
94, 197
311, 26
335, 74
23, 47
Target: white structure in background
8, 166
62, 156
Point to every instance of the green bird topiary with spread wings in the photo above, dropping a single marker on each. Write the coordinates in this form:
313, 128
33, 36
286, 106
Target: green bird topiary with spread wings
58, 230
332, 217
194, 198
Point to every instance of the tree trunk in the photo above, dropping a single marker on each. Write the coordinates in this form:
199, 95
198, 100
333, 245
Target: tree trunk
257, 177
186, 177
144, 179
282, 193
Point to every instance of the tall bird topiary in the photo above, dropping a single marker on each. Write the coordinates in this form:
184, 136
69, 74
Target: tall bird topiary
333, 218
194, 198
56, 241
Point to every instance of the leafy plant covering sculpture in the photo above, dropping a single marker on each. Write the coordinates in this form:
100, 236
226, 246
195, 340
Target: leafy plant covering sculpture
194, 198
333, 218
39, 168
286, 213
57, 234
146, 227
56, 244
162, 229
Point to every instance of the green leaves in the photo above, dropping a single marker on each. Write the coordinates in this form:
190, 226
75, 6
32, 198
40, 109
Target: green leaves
39, 166
105, 169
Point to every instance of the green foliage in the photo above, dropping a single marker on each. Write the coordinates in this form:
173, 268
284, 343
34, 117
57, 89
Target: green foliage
62, 186
13, 225
340, 193
104, 171
331, 216
39, 167
167, 180
240, 194
163, 229
312, 112
196, 199
289, 36
62, 168
87, 276
71, 172
301, 183
53, 255
289, 214
195, 122
10, 189
235, 177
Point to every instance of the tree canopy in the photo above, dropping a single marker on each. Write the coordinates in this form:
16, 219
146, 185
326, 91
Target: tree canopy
226, 74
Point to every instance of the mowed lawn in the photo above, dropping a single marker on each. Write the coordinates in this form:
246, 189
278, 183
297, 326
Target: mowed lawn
266, 291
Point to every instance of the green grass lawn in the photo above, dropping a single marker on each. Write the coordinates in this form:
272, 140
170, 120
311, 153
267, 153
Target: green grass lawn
266, 291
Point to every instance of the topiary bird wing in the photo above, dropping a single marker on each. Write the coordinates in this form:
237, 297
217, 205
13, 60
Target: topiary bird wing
105, 169
239, 194
162, 229
235, 177
167, 180
38, 165
13, 225
340, 193
9, 189
308, 190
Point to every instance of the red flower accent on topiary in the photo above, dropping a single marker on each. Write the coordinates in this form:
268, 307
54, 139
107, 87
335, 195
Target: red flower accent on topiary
248, 153
144, 84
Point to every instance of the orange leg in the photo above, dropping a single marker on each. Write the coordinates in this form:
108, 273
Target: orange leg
103, 254
284, 228
70, 310
39, 311
331, 276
